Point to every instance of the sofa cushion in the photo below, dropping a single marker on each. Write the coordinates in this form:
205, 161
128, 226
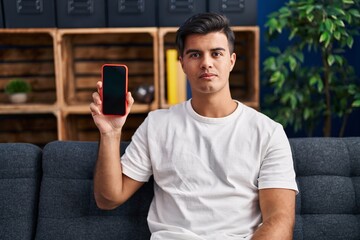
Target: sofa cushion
328, 176
67, 208
20, 174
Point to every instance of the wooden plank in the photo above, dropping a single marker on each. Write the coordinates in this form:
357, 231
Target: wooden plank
40, 138
30, 54
27, 108
25, 122
24, 40
68, 70
110, 52
133, 38
95, 67
20, 69
84, 82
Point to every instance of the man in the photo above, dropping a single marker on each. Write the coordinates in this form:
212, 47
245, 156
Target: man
221, 169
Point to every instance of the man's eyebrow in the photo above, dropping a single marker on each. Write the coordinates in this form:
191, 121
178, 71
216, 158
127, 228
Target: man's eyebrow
192, 51
218, 49
197, 51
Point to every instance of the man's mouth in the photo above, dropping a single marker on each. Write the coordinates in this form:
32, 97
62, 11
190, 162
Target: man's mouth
207, 75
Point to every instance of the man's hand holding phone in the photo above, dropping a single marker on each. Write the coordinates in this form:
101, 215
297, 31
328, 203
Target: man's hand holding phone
112, 102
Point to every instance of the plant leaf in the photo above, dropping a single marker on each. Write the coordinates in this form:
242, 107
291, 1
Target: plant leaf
339, 59
292, 63
324, 37
355, 13
274, 50
331, 60
356, 103
340, 23
350, 41
337, 35
275, 77
309, 9
329, 25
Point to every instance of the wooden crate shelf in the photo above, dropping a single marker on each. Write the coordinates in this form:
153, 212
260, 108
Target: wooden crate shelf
29, 55
84, 51
244, 79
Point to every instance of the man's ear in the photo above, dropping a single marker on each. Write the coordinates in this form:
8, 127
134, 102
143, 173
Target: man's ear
232, 61
181, 61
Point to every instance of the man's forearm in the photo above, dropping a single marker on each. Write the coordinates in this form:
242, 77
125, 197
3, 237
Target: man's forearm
277, 227
108, 172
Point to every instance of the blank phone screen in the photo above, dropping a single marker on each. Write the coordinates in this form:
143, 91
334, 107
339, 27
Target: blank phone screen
114, 90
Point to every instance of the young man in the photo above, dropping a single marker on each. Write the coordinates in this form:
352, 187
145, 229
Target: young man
221, 169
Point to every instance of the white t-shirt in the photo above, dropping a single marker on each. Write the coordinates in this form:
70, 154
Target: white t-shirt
208, 171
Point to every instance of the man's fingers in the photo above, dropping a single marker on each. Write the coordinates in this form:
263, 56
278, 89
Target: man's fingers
94, 109
99, 87
96, 98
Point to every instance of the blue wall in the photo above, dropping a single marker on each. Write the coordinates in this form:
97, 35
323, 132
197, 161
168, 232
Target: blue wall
265, 7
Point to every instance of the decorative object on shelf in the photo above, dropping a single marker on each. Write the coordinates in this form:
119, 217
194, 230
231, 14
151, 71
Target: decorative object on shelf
307, 94
144, 93
171, 76
18, 90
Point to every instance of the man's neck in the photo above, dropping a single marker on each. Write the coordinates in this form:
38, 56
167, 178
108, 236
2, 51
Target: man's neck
213, 107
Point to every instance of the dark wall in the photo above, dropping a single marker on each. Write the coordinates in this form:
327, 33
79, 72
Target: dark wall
265, 7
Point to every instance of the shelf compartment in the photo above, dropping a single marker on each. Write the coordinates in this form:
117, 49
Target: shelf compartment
32, 128
83, 52
29, 55
244, 79
81, 127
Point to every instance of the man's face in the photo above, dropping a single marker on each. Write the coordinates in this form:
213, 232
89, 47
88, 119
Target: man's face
207, 63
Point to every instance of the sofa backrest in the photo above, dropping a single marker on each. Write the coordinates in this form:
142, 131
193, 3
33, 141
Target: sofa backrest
67, 208
328, 176
20, 175
327, 207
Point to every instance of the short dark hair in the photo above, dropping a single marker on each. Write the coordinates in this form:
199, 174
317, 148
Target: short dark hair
204, 23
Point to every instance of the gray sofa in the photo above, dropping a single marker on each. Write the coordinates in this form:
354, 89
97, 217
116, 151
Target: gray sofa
48, 194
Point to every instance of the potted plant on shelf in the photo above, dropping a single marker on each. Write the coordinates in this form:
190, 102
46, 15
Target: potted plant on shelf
18, 90
305, 95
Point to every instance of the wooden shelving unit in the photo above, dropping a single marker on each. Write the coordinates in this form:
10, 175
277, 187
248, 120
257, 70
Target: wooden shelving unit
63, 66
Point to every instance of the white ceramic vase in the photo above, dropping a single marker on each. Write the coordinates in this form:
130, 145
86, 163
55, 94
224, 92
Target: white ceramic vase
18, 97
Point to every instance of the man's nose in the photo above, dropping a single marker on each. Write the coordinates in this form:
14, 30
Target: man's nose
206, 62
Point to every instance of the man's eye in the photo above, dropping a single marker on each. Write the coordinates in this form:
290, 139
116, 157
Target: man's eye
194, 55
216, 54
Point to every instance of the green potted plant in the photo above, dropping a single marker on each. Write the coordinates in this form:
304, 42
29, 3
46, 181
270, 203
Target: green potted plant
17, 89
305, 96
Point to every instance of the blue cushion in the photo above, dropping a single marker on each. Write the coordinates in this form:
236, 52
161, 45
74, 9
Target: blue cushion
328, 176
20, 174
67, 205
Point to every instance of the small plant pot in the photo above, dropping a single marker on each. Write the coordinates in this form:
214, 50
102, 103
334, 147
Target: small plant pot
18, 97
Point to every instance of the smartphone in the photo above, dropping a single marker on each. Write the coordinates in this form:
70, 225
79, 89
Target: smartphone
114, 89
